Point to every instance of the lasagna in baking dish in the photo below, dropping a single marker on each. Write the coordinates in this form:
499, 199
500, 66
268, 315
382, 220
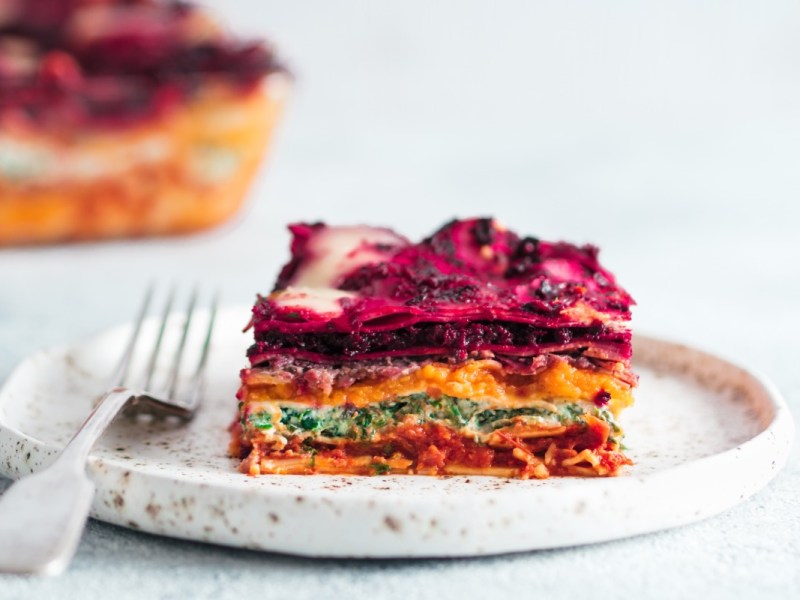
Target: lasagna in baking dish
127, 118
473, 352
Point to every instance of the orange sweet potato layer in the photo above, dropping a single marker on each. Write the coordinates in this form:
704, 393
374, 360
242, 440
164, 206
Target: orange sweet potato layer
476, 379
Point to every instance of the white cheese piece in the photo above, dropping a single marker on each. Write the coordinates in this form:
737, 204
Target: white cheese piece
324, 301
340, 250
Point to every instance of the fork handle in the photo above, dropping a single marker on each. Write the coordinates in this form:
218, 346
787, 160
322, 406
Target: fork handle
42, 516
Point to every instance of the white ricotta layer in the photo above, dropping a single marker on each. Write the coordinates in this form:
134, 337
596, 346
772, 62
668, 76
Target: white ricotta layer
22, 161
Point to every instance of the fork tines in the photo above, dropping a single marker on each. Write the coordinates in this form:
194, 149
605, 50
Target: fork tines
171, 338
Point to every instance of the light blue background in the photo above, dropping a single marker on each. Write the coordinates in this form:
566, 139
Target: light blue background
666, 133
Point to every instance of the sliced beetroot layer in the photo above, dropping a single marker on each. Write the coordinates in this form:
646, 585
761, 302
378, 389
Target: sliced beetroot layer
473, 286
73, 63
457, 339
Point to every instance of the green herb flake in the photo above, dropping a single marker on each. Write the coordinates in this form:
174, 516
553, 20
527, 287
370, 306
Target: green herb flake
570, 413
380, 468
309, 421
261, 420
363, 420
455, 412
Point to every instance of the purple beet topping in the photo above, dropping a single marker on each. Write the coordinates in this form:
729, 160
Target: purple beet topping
602, 398
471, 286
458, 339
71, 63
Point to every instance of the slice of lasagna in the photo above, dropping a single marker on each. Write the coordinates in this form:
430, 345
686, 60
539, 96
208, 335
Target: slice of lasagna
475, 351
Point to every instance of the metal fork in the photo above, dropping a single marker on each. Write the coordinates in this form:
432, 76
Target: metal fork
43, 516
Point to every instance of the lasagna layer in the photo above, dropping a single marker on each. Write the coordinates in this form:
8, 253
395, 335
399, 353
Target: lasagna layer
421, 434
477, 379
475, 351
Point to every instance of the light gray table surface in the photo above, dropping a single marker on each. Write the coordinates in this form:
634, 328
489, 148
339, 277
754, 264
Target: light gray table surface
666, 133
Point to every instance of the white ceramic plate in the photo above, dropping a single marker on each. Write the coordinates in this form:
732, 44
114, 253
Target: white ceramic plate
704, 435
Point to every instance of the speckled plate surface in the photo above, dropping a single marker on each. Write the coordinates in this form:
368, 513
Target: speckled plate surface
704, 436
